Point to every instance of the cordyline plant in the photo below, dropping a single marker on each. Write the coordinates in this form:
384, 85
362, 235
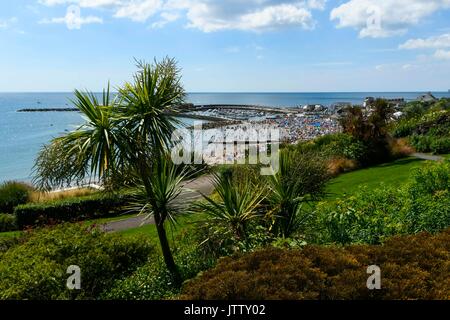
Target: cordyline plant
125, 135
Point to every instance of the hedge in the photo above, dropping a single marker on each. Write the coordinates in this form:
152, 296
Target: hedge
75, 209
412, 267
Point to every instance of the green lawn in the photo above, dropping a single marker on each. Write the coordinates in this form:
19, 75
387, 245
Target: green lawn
110, 219
393, 173
184, 224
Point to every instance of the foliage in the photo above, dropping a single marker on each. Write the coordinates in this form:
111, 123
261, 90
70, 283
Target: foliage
126, 137
412, 267
153, 282
301, 178
71, 209
371, 128
36, 269
339, 145
234, 207
431, 143
423, 204
13, 194
7, 222
427, 132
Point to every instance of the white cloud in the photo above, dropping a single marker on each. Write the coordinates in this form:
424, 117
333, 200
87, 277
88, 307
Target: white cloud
317, 4
82, 3
251, 15
438, 42
376, 19
407, 66
139, 10
211, 15
7, 23
166, 17
73, 19
442, 55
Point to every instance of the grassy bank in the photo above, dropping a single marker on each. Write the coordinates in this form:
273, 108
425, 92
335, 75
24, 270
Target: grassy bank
391, 173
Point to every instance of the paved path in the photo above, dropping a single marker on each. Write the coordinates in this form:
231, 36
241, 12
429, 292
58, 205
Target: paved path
192, 192
425, 156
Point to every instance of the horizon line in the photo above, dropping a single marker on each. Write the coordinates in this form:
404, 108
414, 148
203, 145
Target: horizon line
249, 92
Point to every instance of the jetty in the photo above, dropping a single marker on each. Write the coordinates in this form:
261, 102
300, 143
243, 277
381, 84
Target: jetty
258, 108
49, 110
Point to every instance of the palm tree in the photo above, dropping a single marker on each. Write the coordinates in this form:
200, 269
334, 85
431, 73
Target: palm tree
236, 204
161, 202
132, 131
300, 179
90, 150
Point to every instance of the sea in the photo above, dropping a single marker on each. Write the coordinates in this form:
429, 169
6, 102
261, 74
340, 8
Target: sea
22, 134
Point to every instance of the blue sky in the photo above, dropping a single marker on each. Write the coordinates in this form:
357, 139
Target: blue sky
243, 46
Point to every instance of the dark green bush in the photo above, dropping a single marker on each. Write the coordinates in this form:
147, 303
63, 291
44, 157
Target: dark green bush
36, 269
7, 222
12, 194
74, 209
440, 145
412, 267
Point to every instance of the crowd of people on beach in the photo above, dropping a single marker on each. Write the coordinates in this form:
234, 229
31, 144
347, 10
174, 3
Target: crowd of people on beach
301, 127
289, 128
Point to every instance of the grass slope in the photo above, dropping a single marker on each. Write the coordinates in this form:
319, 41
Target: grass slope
391, 173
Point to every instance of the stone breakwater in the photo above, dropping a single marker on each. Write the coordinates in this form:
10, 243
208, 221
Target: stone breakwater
48, 110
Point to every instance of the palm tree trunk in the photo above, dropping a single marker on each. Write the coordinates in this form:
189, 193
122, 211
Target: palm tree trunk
167, 253
159, 223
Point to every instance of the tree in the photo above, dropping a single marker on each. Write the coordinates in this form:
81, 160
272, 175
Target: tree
130, 132
371, 128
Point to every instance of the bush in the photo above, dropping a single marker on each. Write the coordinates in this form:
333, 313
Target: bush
75, 209
154, 282
440, 145
12, 194
429, 132
7, 222
340, 145
431, 143
369, 216
412, 267
36, 269
405, 127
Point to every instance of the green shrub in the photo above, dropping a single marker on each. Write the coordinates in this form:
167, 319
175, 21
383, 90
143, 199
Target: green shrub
369, 216
75, 209
431, 143
12, 194
7, 222
36, 269
420, 143
154, 282
440, 145
405, 127
412, 267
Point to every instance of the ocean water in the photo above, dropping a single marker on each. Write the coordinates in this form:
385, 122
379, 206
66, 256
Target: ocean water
23, 134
